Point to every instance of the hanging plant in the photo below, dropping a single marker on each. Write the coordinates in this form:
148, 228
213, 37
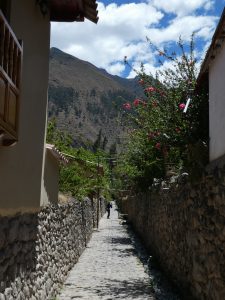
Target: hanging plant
44, 6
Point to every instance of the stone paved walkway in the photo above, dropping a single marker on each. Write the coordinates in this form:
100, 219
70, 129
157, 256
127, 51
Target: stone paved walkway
108, 268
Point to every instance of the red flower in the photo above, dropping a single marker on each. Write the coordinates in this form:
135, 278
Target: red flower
127, 106
181, 106
178, 130
150, 89
158, 146
137, 102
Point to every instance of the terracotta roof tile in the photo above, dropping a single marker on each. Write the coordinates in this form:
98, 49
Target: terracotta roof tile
57, 154
90, 10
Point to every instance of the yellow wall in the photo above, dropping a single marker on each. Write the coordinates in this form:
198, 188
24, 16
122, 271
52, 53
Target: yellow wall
21, 165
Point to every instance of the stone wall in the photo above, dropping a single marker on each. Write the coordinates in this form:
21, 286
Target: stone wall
184, 227
38, 250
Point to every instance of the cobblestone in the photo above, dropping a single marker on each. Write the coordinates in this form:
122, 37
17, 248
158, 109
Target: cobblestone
109, 267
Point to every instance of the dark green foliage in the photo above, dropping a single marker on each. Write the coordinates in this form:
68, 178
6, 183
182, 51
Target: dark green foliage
93, 93
62, 140
62, 97
95, 109
113, 100
113, 149
100, 143
97, 143
104, 143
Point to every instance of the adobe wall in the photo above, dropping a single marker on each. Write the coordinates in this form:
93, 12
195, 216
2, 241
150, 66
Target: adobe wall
38, 250
185, 229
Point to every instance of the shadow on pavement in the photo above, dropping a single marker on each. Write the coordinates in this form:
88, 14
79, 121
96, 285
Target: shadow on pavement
116, 289
125, 252
159, 286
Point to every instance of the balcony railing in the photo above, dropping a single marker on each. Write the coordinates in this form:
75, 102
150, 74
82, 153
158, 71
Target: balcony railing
10, 75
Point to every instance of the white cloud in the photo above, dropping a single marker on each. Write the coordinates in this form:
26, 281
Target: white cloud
116, 68
122, 30
118, 33
151, 68
182, 7
184, 27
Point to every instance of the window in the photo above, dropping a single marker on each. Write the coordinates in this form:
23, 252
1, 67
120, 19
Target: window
10, 75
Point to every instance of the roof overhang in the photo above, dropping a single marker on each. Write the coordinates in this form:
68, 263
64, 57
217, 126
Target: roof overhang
73, 10
214, 48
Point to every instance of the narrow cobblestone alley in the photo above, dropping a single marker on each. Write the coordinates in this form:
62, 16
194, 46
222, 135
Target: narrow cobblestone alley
109, 268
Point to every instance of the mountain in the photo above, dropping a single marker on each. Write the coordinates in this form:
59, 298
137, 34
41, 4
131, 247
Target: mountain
86, 101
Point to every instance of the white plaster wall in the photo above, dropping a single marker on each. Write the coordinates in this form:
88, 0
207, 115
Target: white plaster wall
50, 180
217, 105
21, 165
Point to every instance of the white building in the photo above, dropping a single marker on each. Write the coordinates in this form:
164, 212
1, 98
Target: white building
213, 71
24, 67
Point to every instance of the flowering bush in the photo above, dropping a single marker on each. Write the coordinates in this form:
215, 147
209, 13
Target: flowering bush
127, 106
181, 106
171, 128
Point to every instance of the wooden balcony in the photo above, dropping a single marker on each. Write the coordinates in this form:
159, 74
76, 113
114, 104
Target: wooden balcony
10, 75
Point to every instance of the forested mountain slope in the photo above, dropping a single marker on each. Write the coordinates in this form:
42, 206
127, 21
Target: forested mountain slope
86, 100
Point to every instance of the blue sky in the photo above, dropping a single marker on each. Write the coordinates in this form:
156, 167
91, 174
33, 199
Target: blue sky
124, 25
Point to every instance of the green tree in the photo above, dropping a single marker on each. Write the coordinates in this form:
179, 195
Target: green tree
82, 176
104, 143
62, 140
97, 143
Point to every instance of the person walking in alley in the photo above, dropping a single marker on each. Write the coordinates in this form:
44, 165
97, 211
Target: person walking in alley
109, 205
